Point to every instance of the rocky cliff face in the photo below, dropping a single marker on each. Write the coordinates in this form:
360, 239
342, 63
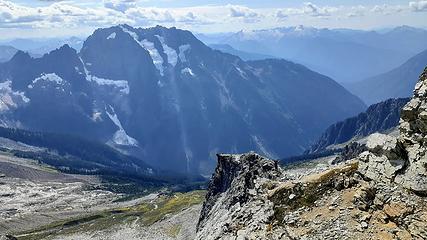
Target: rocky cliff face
377, 118
380, 194
236, 200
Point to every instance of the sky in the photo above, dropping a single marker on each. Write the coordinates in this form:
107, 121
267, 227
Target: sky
55, 18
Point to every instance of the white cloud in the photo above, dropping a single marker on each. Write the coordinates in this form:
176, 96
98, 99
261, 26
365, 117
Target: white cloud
243, 13
386, 9
307, 9
315, 11
76, 15
120, 5
281, 15
418, 6
357, 11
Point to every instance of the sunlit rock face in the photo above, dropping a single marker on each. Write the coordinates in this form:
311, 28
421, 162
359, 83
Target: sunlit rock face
402, 160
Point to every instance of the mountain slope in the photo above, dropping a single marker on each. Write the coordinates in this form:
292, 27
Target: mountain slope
74, 154
6, 53
164, 96
398, 82
377, 118
345, 55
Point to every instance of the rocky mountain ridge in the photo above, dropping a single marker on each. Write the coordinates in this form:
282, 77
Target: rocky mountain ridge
327, 50
377, 118
380, 194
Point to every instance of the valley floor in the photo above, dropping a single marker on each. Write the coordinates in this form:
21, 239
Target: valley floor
37, 202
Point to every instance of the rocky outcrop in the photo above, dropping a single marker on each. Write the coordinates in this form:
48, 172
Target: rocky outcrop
402, 160
249, 197
379, 117
236, 204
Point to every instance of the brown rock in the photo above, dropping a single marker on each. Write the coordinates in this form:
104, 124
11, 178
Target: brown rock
396, 210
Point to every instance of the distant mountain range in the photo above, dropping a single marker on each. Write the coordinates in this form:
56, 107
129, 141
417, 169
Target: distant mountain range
343, 54
162, 95
39, 46
242, 54
398, 82
377, 118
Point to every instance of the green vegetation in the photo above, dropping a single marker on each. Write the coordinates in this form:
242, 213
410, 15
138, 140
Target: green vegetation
308, 191
174, 204
144, 214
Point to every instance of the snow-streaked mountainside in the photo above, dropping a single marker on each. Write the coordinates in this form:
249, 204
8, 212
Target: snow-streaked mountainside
343, 54
398, 82
163, 95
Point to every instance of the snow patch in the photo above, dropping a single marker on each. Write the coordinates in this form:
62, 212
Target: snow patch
160, 84
132, 34
155, 56
241, 72
49, 77
170, 52
149, 46
122, 84
10, 99
188, 71
182, 50
96, 116
77, 69
112, 36
120, 137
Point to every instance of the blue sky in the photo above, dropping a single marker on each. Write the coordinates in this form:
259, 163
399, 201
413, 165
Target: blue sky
48, 18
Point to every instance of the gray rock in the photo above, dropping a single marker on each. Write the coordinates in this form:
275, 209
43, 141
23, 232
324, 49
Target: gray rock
231, 209
402, 160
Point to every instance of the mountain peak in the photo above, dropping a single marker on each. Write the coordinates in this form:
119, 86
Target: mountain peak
64, 51
21, 56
